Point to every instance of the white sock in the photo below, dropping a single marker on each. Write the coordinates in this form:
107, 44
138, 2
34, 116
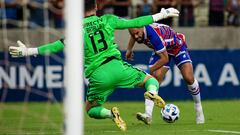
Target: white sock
195, 92
198, 106
149, 104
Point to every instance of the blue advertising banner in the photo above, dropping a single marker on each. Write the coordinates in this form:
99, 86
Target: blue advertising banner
41, 78
217, 71
31, 78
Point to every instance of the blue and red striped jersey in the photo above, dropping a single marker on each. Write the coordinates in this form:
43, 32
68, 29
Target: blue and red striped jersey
162, 37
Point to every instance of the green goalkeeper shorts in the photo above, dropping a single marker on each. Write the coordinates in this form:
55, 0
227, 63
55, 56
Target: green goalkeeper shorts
115, 73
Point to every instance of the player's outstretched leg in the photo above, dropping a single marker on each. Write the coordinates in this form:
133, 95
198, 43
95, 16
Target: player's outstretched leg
118, 120
199, 114
151, 97
195, 92
144, 118
99, 112
194, 89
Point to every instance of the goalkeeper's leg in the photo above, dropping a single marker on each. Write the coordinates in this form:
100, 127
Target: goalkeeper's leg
99, 112
146, 117
151, 85
151, 98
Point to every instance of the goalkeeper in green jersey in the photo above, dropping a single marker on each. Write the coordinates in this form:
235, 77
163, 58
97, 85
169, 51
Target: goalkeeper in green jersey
103, 64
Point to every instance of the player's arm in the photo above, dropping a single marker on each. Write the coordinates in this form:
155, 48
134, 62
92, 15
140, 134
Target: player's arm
51, 48
129, 53
159, 47
22, 50
161, 62
119, 23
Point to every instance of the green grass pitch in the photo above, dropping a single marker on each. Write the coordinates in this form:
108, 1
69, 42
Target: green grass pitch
222, 117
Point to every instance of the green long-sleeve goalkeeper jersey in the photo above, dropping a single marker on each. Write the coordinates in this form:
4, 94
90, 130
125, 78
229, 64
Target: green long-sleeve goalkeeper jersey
99, 39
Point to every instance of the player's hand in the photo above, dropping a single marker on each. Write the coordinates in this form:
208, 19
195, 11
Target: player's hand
19, 51
166, 13
129, 55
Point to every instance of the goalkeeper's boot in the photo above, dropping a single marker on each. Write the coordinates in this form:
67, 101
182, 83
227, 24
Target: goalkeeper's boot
158, 101
118, 120
144, 118
199, 114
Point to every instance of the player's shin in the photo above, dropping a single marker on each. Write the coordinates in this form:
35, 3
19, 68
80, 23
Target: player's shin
99, 112
149, 104
195, 92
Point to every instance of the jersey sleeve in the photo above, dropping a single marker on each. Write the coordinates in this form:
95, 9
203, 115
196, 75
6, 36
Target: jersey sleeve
121, 23
50, 48
156, 40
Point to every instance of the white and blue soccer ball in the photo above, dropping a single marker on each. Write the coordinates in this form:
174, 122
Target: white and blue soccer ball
170, 113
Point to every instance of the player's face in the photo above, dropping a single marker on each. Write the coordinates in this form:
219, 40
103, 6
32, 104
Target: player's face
137, 34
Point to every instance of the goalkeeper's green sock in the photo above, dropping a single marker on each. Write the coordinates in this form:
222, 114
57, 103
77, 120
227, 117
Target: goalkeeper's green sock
151, 95
99, 112
152, 85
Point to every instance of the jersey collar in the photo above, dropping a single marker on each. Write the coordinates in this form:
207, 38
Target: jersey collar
89, 16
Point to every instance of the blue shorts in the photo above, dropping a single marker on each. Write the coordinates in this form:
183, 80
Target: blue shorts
180, 58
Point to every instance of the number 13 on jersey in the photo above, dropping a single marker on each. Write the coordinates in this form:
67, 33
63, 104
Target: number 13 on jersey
98, 41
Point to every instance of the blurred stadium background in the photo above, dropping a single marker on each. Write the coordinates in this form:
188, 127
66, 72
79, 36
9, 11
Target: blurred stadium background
31, 88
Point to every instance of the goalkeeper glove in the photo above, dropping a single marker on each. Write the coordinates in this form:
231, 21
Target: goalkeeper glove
165, 13
22, 50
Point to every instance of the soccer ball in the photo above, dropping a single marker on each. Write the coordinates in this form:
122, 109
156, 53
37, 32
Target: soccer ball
170, 113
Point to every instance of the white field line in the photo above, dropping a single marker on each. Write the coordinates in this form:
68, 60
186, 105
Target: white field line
109, 131
35, 133
224, 131
216, 131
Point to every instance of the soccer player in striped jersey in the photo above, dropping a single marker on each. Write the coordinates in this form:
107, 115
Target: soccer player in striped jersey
103, 64
167, 45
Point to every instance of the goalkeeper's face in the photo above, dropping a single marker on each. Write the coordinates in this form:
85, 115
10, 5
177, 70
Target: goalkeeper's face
137, 34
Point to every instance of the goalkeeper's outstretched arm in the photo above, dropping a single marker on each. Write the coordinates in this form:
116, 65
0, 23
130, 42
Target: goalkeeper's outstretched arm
119, 23
22, 50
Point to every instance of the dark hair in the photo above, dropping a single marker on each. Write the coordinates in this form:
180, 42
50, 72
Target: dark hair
89, 5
